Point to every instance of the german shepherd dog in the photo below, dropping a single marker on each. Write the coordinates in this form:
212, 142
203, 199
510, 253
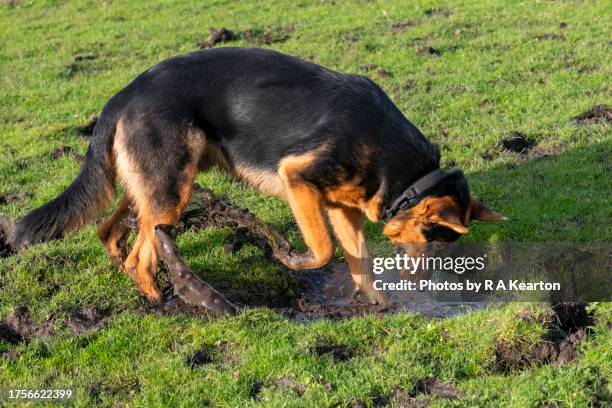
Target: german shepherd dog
328, 143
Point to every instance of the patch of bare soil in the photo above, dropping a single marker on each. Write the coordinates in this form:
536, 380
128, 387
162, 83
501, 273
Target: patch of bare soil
201, 357
540, 151
289, 384
420, 396
211, 354
65, 151
13, 197
18, 327
88, 129
434, 387
60, 152
597, 114
402, 399
422, 49
524, 146
338, 352
82, 63
374, 68
567, 327
267, 36
517, 142
550, 37
432, 12
408, 85
258, 36
402, 26
255, 389
220, 35
87, 320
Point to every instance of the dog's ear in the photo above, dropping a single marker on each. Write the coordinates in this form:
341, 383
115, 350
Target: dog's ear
443, 211
449, 219
478, 211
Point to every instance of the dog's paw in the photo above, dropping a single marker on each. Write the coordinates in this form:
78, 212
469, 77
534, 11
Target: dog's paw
369, 296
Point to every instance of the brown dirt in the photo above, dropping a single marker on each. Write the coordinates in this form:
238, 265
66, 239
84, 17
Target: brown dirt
258, 36
211, 354
81, 64
65, 151
10, 355
419, 397
338, 352
201, 357
516, 142
567, 327
18, 327
289, 384
438, 12
267, 36
60, 152
88, 129
255, 389
402, 399
408, 85
87, 320
597, 114
402, 26
563, 24
422, 49
550, 37
13, 197
433, 386
220, 35
374, 68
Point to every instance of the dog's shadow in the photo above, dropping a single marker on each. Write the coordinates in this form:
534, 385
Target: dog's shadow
548, 198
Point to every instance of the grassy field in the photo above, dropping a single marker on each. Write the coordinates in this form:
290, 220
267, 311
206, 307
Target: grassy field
466, 73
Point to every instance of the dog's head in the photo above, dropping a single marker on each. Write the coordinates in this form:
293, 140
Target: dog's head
442, 216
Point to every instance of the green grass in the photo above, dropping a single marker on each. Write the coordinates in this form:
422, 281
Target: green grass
493, 76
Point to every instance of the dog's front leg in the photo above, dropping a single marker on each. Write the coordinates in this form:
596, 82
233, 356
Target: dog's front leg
349, 229
305, 202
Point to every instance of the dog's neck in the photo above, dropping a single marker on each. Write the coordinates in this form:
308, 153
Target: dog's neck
399, 173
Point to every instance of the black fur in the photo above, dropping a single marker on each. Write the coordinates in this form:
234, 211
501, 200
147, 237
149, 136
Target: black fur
257, 106
85, 198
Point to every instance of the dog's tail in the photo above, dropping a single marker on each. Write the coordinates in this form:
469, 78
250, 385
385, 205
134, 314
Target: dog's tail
87, 196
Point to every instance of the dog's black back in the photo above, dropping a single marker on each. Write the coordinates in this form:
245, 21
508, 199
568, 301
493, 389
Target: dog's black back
260, 106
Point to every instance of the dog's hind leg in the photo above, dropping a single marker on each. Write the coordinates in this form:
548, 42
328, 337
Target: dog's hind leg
152, 211
113, 232
157, 168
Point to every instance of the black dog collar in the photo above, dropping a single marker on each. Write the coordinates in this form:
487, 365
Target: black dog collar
416, 192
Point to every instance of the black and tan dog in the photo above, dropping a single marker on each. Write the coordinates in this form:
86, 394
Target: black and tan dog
328, 143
